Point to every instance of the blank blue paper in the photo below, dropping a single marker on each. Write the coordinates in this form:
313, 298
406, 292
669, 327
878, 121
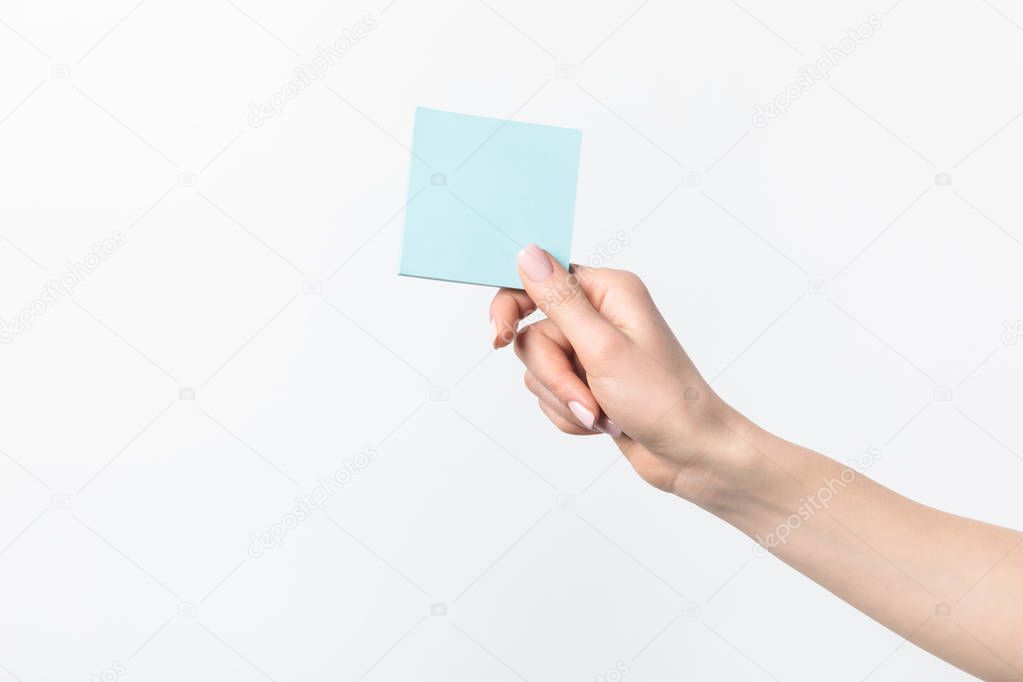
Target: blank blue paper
483, 188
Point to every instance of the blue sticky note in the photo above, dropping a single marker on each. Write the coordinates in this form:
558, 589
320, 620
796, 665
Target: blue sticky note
480, 190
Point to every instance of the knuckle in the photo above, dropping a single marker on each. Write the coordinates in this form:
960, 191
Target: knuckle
522, 340
544, 327
631, 281
565, 427
562, 387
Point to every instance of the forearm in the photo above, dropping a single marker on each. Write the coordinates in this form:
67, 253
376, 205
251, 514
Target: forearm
951, 585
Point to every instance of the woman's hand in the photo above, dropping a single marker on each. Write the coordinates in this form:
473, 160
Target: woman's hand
604, 360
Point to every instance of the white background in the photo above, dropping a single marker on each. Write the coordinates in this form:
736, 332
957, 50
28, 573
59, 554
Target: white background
125, 511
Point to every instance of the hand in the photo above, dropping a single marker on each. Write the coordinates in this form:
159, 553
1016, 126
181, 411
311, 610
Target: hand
605, 360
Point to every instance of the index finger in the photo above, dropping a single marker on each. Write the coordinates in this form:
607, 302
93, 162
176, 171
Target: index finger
508, 307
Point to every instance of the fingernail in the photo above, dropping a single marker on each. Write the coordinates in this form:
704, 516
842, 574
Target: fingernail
535, 264
493, 332
605, 425
584, 416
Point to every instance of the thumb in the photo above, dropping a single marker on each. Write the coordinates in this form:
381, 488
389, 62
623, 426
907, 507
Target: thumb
560, 296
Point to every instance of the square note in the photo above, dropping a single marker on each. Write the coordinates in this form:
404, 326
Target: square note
480, 190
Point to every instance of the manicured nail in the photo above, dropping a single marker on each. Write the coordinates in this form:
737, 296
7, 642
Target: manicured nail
584, 416
493, 332
605, 425
535, 264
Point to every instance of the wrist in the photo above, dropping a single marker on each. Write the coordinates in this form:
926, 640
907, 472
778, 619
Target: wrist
733, 468
755, 480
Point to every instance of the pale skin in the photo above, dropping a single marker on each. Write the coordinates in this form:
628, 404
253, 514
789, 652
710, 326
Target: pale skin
605, 361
